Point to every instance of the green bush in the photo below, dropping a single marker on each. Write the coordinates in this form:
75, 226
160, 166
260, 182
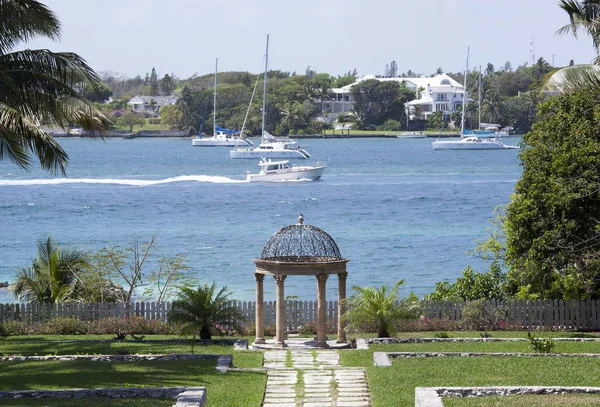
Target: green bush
539, 345
3, 331
478, 316
154, 120
390, 125
64, 326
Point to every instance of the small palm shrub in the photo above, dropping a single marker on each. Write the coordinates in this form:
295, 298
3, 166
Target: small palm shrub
379, 307
203, 310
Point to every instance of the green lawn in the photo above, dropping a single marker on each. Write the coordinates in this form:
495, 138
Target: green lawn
249, 386
477, 334
395, 385
508, 347
562, 400
88, 402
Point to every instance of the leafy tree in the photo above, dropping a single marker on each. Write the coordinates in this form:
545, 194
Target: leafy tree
380, 307
52, 276
375, 100
172, 116
153, 83
472, 286
552, 229
342, 81
489, 69
167, 85
40, 87
131, 119
99, 94
393, 69
322, 85
204, 309
507, 67
435, 121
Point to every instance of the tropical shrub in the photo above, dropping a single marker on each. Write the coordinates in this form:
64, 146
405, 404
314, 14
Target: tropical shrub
540, 345
204, 310
64, 326
376, 306
478, 316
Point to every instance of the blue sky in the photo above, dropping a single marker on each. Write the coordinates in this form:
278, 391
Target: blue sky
334, 36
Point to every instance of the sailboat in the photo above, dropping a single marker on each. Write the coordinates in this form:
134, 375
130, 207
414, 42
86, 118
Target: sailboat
469, 142
221, 137
270, 147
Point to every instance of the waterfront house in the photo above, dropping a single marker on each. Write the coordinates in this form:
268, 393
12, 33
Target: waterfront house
433, 94
150, 104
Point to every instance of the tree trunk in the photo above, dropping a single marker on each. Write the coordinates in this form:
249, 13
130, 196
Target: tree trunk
205, 332
383, 330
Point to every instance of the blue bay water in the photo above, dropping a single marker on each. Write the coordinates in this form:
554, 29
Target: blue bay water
396, 208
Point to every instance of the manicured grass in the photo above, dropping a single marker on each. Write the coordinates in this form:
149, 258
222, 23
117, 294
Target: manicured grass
395, 385
87, 402
512, 347
477, 334
45, 345
562, 400
233, 388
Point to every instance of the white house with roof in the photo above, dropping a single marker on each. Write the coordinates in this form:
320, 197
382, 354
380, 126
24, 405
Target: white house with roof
438, 93
150, 104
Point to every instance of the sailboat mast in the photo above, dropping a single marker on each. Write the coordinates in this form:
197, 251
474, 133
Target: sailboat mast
264, 107
479, 88
465, 96
215, 100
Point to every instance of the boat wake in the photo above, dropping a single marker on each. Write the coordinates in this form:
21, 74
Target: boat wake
115, 181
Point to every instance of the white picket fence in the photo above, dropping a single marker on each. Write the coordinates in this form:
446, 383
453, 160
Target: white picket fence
557, 314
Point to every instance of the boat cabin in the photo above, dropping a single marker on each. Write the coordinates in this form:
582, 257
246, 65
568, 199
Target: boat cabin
274, 166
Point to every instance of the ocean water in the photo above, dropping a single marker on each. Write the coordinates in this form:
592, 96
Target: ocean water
396, 208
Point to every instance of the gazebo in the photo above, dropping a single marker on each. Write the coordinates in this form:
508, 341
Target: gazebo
300, 250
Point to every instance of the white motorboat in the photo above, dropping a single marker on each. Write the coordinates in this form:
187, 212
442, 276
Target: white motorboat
272, 171
221, 137
470, 141
270, 147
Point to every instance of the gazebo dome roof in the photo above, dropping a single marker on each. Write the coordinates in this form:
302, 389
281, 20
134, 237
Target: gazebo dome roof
301, 243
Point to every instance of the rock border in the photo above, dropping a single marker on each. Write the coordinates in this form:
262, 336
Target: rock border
387, 341
432, 396
117, 358
114, 392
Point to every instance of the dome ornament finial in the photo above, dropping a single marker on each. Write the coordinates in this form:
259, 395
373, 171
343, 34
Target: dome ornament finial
301, 219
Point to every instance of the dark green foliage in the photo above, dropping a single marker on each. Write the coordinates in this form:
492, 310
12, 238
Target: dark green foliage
52, 276
472, 286
377, 101
203, 310
551, 224
540, 345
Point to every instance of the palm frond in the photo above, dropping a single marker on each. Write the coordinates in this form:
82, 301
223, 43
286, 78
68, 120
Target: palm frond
21, 135
23, 20
571, 79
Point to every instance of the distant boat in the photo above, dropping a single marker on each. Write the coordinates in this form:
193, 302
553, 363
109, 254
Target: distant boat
272, 171
221, 137
270, 147
471, 141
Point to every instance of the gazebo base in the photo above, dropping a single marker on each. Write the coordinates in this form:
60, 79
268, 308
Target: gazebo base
300, 343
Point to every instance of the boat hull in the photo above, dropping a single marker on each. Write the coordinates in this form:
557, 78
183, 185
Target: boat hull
294, 174
463, 145
208, 142
256, 153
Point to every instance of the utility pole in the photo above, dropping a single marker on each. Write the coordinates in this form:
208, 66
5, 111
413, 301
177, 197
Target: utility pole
532, 50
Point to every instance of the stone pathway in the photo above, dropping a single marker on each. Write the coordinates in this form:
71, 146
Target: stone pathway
315, 380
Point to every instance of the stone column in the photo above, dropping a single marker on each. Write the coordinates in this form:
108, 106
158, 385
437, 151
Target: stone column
280, 311
341, 332
260, 312
321, 311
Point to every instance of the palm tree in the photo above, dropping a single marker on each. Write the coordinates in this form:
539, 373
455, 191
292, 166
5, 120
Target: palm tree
52, 276
39, 87
491, 105
204, 309
377, 306
585, 15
